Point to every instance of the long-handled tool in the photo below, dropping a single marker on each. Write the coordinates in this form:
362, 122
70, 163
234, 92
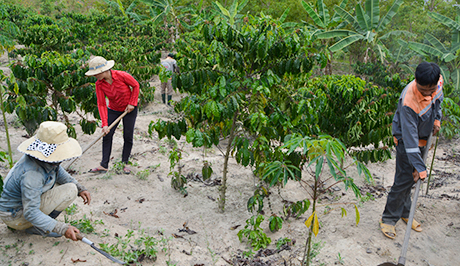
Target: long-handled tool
96, 140
107, 255
402, 257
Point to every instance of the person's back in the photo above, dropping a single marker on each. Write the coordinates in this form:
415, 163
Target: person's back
169, 63
166, 87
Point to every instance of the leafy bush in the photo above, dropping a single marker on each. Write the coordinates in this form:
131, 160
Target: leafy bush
356, 112
50, 85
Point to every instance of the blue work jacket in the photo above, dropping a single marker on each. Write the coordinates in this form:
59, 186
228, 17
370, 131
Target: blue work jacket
24, 185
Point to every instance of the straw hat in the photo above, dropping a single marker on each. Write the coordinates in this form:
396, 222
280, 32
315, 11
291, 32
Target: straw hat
98, 65
51, 144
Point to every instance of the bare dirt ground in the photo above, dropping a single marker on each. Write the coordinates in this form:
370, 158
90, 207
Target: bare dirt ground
151, 206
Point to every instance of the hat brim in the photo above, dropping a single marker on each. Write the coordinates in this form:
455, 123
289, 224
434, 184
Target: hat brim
110, 64
65, 151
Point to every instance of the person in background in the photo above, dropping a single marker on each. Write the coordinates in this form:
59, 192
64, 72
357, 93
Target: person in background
418, 116
37, 189
166, 87
122, 92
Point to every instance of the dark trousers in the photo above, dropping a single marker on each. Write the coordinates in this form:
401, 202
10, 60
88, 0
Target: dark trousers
128, 132
399, 200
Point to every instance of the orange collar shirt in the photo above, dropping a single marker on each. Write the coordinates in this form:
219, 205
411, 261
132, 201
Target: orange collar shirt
414, 119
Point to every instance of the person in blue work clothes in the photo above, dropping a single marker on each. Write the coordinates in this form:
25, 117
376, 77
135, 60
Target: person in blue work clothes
418, 115
37, 189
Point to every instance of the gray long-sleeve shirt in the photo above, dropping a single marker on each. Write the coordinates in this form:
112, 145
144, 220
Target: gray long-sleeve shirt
24, 185
414, 119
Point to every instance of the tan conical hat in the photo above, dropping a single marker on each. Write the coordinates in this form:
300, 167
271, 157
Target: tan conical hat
98, 65
51, 144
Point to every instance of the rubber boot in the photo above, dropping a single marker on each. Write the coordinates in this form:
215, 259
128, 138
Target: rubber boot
36, 231
163, 97
169, 99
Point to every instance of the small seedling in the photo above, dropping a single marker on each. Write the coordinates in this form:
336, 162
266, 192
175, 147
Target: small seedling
339, 259
129, 248
71, 210
142, 175
256, 236
281, 242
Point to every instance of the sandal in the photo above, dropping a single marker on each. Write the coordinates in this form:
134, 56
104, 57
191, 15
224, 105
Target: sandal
97, 170
416, 226
388, 230
126, 170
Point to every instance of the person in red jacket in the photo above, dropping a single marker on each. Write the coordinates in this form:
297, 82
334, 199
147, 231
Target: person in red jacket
122, 92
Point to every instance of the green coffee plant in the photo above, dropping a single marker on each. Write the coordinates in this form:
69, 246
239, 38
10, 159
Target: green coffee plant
8, 30
50, 85
237, 78
254, 234
178, 180
363, 118
134, 248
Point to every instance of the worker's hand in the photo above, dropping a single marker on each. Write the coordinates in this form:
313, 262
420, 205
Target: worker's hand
129, 108
435, 129
416, 175
85, 196
105, 130
71, 233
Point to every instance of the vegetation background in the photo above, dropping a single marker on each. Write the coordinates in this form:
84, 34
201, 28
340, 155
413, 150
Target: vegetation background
281, 126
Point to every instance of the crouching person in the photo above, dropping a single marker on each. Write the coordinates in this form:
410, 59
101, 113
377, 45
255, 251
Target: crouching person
37, 189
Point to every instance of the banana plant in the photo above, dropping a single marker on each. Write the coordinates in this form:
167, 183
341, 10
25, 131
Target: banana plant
231, 14
165, 11
367, 27
448, 56
324, 23
194, 16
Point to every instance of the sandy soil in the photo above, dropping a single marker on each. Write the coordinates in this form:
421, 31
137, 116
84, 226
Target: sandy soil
152, 205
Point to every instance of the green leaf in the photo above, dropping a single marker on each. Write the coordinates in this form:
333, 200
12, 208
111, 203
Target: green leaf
373, 12
425, 49
334, 34
345, 42
347, 16
389, 16
357, 215
435, 42
323, 12
362, 19
319, 167
445, 20
311, 12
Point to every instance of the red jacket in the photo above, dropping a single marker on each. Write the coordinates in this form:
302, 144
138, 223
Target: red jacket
124, 90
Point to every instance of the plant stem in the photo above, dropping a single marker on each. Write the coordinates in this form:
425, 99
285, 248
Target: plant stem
10, 153
223, 187
307, 252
